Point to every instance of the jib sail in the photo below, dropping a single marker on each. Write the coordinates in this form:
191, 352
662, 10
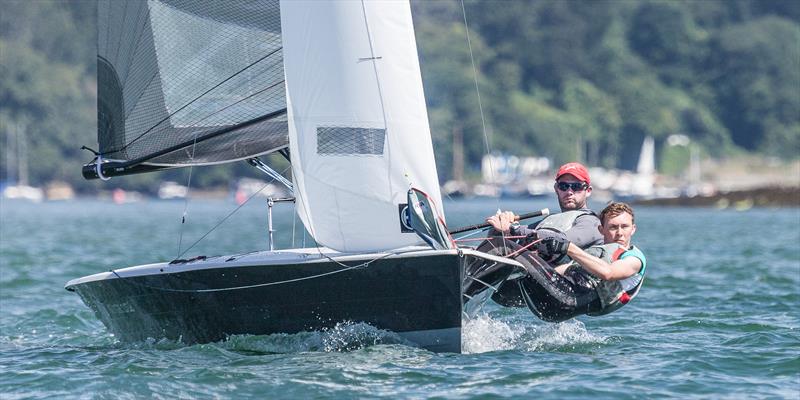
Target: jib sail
358, 129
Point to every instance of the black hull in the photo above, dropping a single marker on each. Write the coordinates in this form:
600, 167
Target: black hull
417, 297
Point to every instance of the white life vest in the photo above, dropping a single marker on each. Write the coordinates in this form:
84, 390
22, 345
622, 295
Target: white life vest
613, 294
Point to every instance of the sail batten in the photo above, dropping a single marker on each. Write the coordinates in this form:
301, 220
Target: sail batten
179, 73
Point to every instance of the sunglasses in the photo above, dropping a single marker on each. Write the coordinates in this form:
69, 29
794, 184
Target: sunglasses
575, 186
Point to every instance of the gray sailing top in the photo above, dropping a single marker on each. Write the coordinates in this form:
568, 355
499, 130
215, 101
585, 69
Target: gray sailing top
579, 227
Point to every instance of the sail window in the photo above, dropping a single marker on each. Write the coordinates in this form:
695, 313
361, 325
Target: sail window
346, 141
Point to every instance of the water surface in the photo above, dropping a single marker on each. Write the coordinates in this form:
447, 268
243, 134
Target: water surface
717, 316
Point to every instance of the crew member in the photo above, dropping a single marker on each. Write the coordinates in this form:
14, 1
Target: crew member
596, 281
576, 224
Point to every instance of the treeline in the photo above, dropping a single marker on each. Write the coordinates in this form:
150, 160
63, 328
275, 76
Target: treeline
590, 79
47, 88
565, 79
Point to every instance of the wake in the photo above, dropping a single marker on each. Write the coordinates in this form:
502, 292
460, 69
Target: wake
484, 333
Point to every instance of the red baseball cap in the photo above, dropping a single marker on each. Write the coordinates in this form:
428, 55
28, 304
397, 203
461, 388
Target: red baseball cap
575, 169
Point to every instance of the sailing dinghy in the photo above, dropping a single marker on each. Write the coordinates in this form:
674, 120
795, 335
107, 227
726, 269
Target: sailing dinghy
336, 88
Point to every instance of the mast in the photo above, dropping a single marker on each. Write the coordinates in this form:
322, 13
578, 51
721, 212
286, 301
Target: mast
458, 153
11, 148
22, 154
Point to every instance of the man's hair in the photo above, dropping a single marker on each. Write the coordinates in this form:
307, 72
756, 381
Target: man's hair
613, 209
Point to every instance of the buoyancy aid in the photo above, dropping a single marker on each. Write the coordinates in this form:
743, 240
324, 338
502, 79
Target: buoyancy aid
613, 294
563, 221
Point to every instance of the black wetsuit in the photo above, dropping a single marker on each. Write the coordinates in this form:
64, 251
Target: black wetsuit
583, 233
549, 295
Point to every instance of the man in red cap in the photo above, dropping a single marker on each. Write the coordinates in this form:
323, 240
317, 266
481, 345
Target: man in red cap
576, 222
576, 177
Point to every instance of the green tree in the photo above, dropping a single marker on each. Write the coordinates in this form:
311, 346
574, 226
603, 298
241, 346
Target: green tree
666, 37
599, 118
563, 79
758, 84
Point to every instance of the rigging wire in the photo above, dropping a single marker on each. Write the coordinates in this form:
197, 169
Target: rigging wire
226, 217
186, 198
486, 141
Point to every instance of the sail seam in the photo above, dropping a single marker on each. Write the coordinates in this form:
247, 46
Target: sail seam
135, 52
119, 39
380, 97
108, 25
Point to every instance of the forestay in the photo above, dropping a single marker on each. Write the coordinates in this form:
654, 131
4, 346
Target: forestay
359, 134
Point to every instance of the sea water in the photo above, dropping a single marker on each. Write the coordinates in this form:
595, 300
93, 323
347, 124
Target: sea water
718, 315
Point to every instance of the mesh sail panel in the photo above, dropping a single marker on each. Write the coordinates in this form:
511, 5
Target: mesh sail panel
350, 141
189, 82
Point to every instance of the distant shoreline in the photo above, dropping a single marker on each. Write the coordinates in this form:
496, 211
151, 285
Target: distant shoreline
769, 196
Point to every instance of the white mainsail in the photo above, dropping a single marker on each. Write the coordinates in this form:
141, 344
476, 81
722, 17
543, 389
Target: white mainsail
358, 125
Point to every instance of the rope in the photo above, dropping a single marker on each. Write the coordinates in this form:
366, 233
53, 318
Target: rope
520, 250
523, 248
478, 91
98, 168
483, 238
345, 269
